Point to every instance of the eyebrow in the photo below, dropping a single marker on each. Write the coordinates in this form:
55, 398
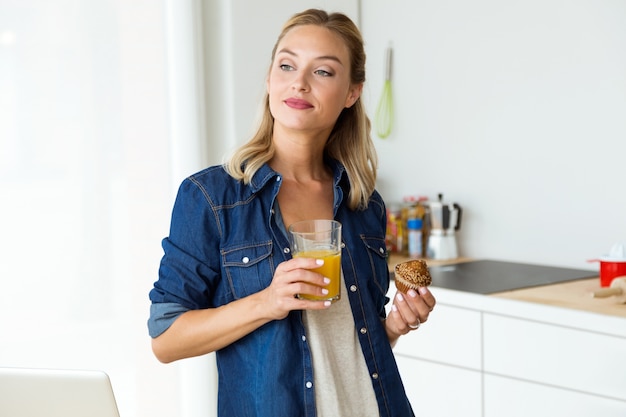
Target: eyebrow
320, 58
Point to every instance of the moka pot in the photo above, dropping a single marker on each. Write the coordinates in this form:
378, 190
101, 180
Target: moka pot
443, 220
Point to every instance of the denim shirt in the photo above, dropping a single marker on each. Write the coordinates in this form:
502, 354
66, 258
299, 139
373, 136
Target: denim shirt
225, 244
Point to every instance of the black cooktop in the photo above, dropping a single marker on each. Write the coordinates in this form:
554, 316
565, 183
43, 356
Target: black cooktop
488, 277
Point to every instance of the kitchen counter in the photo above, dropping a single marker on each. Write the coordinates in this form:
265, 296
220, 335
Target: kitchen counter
575, 294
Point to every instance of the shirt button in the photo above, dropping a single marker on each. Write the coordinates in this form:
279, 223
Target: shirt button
286, 250
363, 330
303, 338
245, 260
343, 245
278, 178
353, 288
375, 375
309, 384
381, 250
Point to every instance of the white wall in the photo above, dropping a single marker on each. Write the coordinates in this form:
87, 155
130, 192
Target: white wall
85, 186
515, 110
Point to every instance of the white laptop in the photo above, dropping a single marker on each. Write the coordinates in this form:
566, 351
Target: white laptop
55, 393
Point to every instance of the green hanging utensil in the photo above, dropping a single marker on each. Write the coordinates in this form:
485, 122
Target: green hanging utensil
384, 111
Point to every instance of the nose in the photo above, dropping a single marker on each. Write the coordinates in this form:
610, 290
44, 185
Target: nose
301, 82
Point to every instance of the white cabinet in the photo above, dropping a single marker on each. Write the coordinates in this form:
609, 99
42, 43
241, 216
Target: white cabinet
452, 335
443, 360
492, 357
566, 357
437, 390
510, 397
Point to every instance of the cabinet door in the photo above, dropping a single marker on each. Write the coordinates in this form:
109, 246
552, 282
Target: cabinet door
555, 355
437, 390
515, 398
452, 335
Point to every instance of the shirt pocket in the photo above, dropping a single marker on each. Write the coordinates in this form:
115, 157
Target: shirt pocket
248, 268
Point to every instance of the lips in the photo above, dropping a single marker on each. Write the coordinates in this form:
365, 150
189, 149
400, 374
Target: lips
296, 103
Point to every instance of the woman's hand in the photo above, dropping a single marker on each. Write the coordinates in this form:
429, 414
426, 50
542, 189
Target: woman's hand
408, 312
295, 277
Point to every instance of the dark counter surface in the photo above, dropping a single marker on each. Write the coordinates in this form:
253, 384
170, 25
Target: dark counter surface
486, 276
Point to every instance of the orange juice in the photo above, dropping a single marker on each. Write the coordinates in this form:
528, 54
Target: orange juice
331, 269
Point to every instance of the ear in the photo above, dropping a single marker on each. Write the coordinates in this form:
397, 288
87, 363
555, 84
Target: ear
353, 94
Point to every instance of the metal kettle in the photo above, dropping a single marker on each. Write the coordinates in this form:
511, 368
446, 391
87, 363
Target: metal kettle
442, 221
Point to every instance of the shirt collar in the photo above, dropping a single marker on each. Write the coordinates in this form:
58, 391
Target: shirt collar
264, 174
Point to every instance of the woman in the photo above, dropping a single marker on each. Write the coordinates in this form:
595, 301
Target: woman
227, 279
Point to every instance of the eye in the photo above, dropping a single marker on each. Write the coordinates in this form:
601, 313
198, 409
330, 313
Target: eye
323, 73
285, 67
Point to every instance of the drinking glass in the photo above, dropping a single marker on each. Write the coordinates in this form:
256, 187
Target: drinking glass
319, 239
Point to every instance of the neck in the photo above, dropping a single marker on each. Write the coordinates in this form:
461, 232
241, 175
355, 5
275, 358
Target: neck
300, 158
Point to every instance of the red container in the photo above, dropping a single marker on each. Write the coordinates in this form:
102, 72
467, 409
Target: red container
610, 270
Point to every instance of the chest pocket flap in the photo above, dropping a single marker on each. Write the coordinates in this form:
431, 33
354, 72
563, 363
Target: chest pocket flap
375, 245
249, 268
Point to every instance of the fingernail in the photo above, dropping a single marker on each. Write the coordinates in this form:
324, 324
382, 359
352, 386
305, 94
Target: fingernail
326, 280
399, 297
412, 293
423, 290
319, 261
324, 291
394, 308
327, 303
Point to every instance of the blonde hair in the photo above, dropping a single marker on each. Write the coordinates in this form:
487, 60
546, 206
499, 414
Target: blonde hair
349, 142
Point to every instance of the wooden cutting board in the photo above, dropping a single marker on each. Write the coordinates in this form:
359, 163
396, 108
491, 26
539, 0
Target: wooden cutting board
573, 294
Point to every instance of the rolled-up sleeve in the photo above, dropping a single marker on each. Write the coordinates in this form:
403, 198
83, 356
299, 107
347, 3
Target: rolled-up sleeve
162, 315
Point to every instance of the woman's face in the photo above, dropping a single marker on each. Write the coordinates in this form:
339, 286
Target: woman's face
309, 81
